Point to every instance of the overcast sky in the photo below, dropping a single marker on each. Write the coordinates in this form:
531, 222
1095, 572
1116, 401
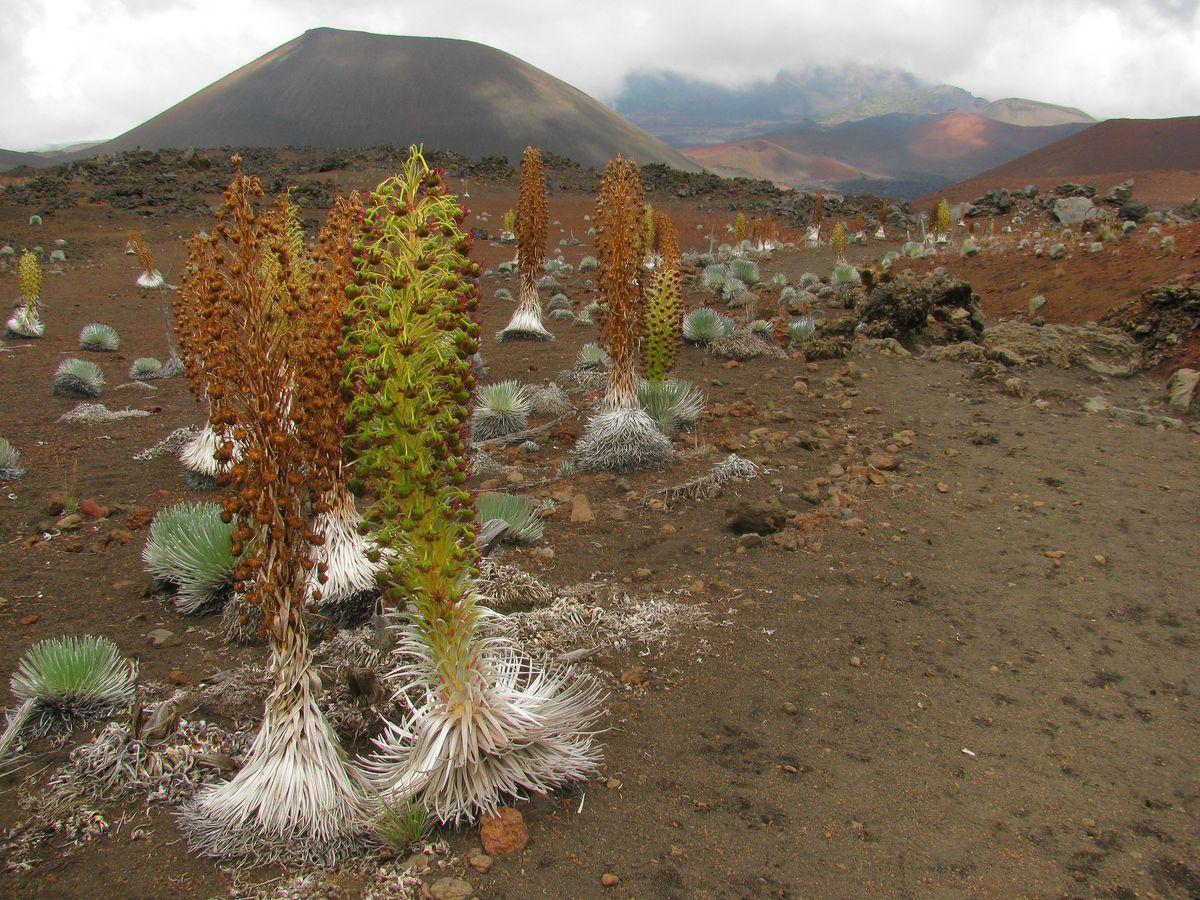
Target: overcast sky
88, 69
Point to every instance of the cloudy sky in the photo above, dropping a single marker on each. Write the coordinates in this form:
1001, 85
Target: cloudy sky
88, 69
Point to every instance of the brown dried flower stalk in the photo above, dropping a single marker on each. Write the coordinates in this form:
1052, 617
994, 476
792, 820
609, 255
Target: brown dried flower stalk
533, 221
266, 365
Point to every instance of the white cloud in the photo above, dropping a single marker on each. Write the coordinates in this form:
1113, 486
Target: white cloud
85, 69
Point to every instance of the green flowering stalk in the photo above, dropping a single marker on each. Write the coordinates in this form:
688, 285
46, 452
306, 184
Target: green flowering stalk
480, 721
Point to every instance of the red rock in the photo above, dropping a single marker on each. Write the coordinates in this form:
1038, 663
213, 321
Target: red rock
30, 619
177, 677
92, 509
138, 518
503, 832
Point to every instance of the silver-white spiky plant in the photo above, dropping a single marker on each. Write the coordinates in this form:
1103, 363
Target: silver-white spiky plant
349, 593
190, 548
64, 679
25, 322
297, 799
10, 461
503, 727
501, 408
78, 378
199, 459
99, 338
151, 280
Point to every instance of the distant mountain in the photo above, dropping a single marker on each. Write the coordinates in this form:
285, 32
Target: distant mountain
10, 159
1015, 111
686, 111
1162, 156
899, 155
332, 88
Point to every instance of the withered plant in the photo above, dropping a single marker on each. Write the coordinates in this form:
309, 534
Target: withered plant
150, 278
621, 436
533, 221
266, 369
480, 721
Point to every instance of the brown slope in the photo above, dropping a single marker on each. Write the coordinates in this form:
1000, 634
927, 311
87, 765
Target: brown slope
763, 158
333, 88
933, 150
1161, 155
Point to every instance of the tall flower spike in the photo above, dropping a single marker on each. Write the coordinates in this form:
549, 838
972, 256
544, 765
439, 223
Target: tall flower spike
267, 372
532, 223
663, 308
480, 720
621, 436
26, 320
838, 241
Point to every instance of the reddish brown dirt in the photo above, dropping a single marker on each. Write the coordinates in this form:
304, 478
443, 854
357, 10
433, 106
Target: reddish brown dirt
1077, 290
921, 703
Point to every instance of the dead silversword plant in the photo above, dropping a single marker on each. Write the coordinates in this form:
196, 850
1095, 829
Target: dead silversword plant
480, 722
532, 223
267, 359
621, 436
199, 453
150, 278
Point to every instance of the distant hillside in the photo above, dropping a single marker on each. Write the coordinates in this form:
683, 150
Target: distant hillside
1164, 153
901, 155
10, 159
332, 88
1031, 113
688, 112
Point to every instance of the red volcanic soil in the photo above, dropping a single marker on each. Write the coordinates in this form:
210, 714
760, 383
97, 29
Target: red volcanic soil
970, 673
1161, 155
1077, 290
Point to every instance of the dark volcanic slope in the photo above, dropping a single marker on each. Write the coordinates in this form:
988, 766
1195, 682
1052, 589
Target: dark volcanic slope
1162, 156
331, 88
1118, 145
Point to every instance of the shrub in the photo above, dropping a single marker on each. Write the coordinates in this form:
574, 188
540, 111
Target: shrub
592, 356
845, 274
969, 248
588, 264
673, 404
78, 378
713, 277
60, 679
99, 338
503, 294
745, 271
191, 548
802, 329
704, 325
500, 409
524, 524
403, 824
145, 368
10, 461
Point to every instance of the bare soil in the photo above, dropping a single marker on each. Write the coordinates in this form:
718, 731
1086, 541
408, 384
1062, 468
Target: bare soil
976, 682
